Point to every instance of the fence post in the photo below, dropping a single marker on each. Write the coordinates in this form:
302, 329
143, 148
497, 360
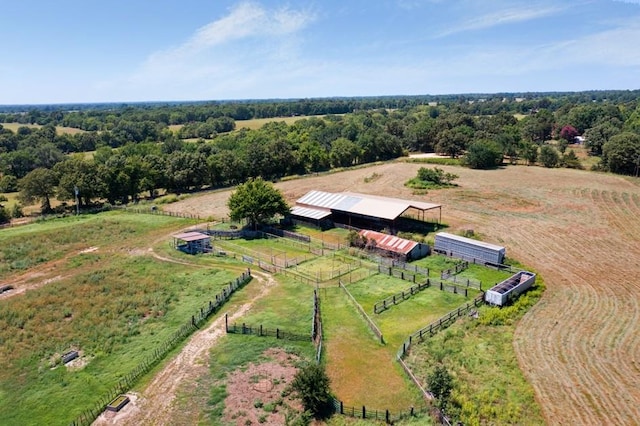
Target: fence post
226, 323
387, 417
364, 412
341, 408
277, 333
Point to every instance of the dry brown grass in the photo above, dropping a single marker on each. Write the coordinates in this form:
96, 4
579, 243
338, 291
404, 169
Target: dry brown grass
580, 346
59, 129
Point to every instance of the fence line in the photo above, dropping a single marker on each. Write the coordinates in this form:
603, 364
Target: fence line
400, 297
316, 326
382, 415
262, 331
125, 383
455, 270
439, 324
364, 315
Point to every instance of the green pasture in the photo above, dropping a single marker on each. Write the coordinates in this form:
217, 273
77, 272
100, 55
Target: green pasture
323, 268
289, 306
469, 349
399, 321
117, 311
363, 371
25, 247
265, 249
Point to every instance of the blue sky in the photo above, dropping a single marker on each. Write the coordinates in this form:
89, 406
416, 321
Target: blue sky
139, 50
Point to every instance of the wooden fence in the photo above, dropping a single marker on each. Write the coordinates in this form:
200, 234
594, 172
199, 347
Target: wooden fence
374, 328
455, 270
385, 304
380, 415
88, 416
262, 331
438, 325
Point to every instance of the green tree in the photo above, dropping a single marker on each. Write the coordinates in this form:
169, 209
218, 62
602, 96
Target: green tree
5, 217
312, 385
38, 185
440, 384
77, 172
529, 152
8, 183
483, 155
343, 153
549, 157
622, 154
256, 201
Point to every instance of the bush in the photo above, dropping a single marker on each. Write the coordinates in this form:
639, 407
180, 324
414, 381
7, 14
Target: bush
311, 383
549, 156
8, 183
483, 155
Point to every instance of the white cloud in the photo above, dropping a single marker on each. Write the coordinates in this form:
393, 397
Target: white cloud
228, 55
502, 17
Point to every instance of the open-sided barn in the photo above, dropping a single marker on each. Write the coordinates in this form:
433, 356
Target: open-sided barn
358, 210
192, 242
468, 249
395, 246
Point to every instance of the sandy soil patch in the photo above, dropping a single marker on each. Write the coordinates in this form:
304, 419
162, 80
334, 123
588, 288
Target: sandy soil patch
257, 394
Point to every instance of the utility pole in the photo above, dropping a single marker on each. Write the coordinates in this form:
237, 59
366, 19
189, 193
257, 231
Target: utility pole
76, 191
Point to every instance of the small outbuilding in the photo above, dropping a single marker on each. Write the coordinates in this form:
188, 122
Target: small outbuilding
192, 242
468, 249
396, 247
501, 293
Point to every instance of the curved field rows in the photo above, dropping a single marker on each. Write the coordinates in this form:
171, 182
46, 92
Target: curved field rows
579, 347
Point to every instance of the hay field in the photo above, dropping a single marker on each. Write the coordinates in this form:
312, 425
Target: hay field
579, 347
61, 130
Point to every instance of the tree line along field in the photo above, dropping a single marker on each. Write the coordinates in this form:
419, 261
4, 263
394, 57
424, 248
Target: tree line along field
579, 230
128, 153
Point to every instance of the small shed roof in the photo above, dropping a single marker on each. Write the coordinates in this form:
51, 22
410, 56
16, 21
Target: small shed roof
310, 213
390, 242
471, 241
191, 236
366, 205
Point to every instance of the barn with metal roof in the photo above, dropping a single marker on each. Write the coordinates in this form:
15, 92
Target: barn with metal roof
397, 247
192, 242
358, 210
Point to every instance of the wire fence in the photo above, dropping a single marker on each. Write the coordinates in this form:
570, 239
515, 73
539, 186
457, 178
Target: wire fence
441, 323
372, 325
386, 416
262, 331
125, 383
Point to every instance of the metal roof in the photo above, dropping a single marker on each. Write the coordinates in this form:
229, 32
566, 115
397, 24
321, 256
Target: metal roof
310, 213
366, 205
191, 236
470, 241
390, 242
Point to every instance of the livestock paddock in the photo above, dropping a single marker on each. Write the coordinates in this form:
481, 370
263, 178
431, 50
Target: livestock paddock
579, 346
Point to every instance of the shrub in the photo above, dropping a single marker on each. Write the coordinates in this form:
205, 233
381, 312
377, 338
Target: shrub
549, 156
483, 155
311, 383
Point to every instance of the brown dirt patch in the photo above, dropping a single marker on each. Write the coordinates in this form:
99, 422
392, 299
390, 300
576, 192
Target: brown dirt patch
255, 394
579, 347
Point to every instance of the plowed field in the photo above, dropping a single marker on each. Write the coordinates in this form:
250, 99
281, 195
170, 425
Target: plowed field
580, 346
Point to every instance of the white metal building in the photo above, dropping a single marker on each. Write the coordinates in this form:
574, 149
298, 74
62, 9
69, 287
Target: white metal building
468, 249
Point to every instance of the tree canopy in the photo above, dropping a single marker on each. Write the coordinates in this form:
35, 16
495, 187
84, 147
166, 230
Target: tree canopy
256, 201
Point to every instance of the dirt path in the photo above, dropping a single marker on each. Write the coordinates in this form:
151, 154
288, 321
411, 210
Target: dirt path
156, 404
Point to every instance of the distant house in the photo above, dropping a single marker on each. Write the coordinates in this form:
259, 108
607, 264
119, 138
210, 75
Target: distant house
392, 246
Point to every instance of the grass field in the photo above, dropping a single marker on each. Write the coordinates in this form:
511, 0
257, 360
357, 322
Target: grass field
398, 322
110, 302
59, 129
580, 230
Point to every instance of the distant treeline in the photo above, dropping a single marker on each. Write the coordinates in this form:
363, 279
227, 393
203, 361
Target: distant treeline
136, 153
